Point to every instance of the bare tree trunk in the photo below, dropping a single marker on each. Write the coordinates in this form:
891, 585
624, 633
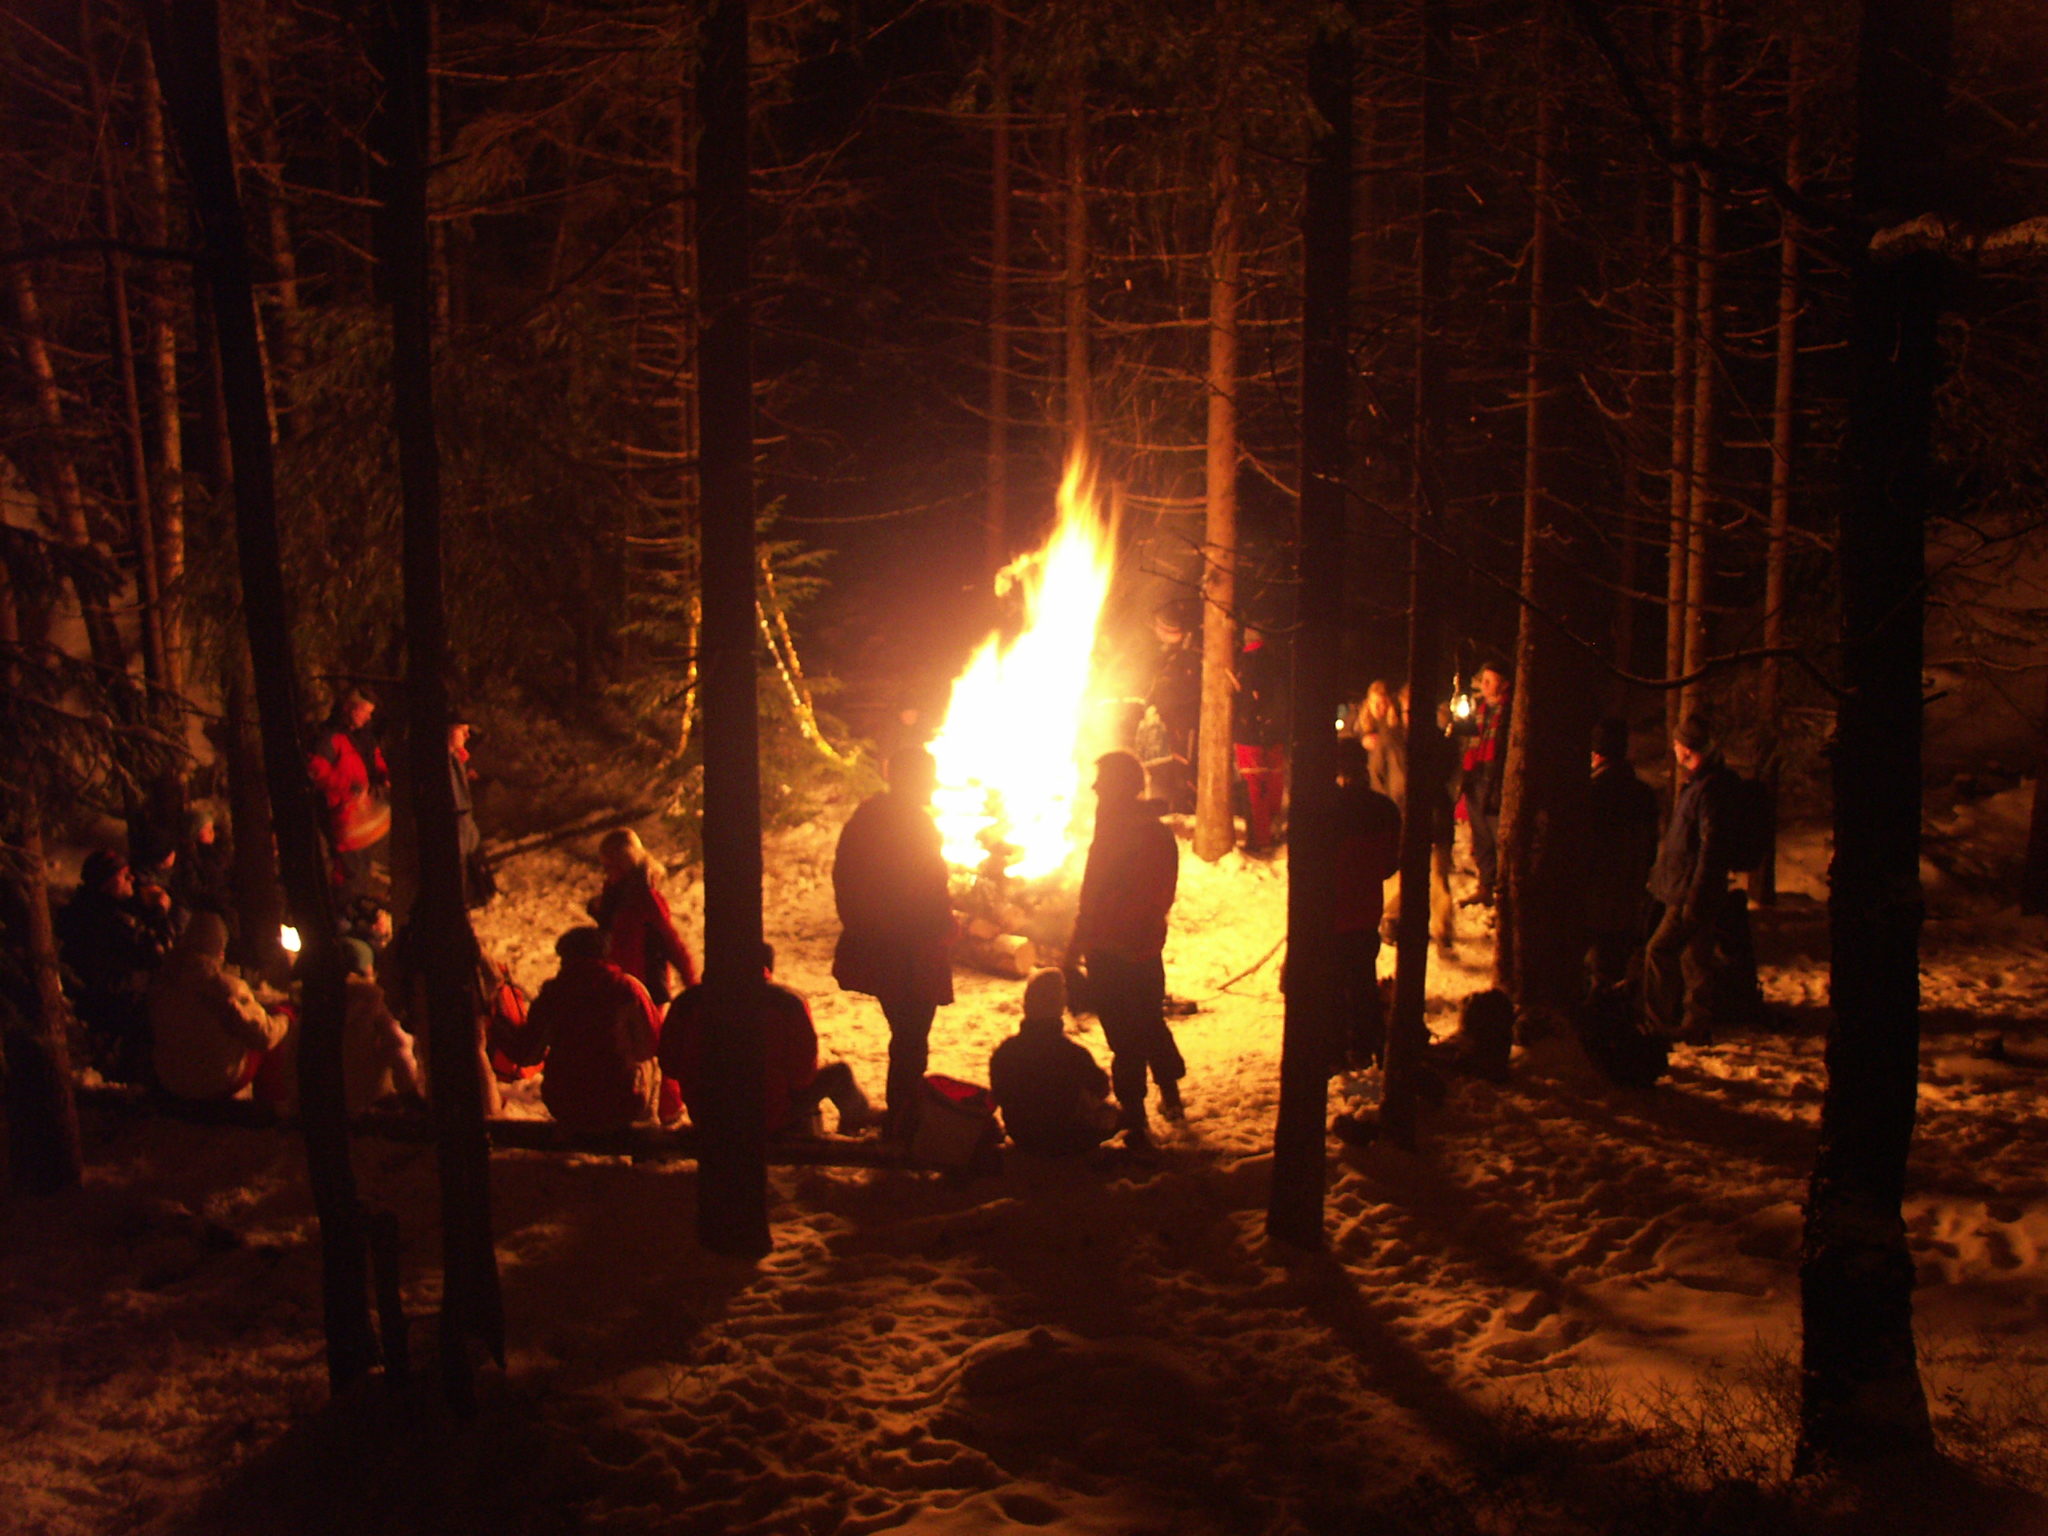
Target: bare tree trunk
1706, 359
1074, 285
1407, 1032
169, 500
142, 521
259, 896
67, 490
1215, 833
997, 530
1862, 1400
1311, 1028
1537, 961
472, 1307
43, 1151
688, 428
732, 1196
1770, 679
287, 353
1684, 199
185, 36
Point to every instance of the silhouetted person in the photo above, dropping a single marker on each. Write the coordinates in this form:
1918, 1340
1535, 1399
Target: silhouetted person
1127, 891
640, 935
597, 1032
1368, 836
1049, 1090
1619, 848
1690, 878
793, 1085
110, 948
1174, 702
377, 1058
896, 917
201, 879
477, 885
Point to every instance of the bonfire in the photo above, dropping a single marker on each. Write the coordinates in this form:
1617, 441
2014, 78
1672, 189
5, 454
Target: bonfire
1019, 734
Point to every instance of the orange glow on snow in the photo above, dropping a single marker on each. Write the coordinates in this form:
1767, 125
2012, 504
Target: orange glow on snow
1012, 754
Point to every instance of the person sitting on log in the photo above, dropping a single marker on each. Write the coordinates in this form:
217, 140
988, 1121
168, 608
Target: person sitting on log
213, 1038
1051, 1092
793, 1085
597, 1030
376, 1053
110, 947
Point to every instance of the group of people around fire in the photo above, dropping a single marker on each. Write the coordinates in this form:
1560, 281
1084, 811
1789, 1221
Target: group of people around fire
617, 1035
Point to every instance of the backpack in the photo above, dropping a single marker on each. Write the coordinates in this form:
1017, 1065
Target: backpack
1749, 832
504, 1003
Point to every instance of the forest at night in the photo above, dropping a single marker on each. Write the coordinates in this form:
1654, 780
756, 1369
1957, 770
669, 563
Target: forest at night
957, 766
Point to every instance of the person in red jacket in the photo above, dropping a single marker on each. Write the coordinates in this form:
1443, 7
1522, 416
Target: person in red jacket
1127, 890
640, 936
598, 1033
1368, 835
347, 768
793, 1084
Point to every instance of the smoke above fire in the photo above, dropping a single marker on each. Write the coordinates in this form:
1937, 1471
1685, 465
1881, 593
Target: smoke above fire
1014, 750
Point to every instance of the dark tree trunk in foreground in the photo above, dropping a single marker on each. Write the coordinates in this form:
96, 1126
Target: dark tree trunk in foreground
1310, 1034
1538, 959
1428, 765
1074, 281
185, 36
471, 1306
997, 532
1861, 1395
43, 1153
1684, 199
732, 1172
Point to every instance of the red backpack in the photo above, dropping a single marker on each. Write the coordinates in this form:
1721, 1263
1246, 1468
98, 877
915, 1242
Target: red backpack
504, 1004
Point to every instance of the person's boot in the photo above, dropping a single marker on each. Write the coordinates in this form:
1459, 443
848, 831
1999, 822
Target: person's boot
1170, 1105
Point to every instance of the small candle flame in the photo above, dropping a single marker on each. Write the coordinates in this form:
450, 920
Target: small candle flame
288, 936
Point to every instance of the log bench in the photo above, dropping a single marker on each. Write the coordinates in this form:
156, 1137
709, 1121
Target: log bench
642, 1143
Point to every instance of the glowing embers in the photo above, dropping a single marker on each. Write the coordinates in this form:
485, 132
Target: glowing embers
1013, 750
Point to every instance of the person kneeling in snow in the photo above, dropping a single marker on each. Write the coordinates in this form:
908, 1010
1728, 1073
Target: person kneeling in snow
1050, 1091
212, 1037
598, 1031
793, 1085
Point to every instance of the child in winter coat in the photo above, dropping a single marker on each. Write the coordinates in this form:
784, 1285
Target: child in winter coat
598, 1031
640, 936
1050, 1091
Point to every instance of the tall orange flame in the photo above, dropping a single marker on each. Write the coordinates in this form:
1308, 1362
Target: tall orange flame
1011, 754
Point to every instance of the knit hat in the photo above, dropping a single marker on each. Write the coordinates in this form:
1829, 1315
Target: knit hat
581, 944
1610, 739
1694, 733
1045, 996
359, 957
205, 934
100, 868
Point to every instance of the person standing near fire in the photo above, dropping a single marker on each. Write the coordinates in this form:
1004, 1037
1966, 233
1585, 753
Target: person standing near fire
1127, 890
347, 767
896, 921
1485, 732
1259, 729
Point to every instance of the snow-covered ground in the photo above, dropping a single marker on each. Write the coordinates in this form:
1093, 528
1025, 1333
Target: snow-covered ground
1575, 1303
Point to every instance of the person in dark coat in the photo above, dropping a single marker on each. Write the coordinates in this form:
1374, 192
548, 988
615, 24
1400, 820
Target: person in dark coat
1174, 703
1619, 849
347, 768
1127, 891
640, 934
477, 885
110, 947
1368, 836
1690, 880
1485, 765
896, 920
1259, 734
793, 1084
202, 878
1052, 1094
